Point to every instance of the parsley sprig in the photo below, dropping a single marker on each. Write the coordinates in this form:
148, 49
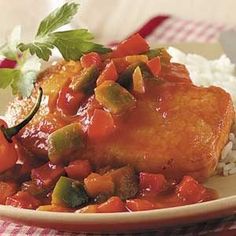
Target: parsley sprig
72, 44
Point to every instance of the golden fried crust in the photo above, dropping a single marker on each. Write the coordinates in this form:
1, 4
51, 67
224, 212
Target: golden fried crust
176, 129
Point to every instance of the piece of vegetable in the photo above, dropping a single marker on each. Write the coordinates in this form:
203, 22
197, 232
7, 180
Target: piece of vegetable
69, 193
136, 59
34, 188
85, 81
7, 189
78, 169
125, 182
120, 63
22, 72
53, 86
47, 174
7, 63
90, 59
154, 65
97, 131
153, 183
159, 52
96, 185
88, 209
65, 143
190, 191
22, 77
139, 205
131, 46
138, 82
69, 101
114, 97
23, 200
35, 136
8, 154
72, 44
113, 204
109, 73
125, 78
54, 208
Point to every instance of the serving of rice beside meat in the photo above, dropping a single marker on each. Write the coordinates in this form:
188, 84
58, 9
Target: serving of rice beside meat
221, 73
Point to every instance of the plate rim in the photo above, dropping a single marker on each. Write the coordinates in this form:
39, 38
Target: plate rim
197, 208
124, 222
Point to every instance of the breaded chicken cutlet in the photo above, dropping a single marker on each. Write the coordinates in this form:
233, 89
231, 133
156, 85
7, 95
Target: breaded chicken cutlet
175, 127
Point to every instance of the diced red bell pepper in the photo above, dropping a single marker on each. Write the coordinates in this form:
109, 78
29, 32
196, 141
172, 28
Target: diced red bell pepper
7, 63
7, 189
113, 204
109, 73
69, 101
121, 64
47, 174
90, 59
78, 169
139, 205
153, 183
135, 44
190, 191
155, 66
92, 105
102, 124
8, 153
23, 200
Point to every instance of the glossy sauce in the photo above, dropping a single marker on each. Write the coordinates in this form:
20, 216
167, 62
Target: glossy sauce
171, 199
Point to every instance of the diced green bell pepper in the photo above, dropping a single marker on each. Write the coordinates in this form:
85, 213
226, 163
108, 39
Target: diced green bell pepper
161, 52
86, 81
125, 78
114, 97
65, 143
125, 181
69, 193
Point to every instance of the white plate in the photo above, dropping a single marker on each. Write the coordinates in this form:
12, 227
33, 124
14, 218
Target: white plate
137, 221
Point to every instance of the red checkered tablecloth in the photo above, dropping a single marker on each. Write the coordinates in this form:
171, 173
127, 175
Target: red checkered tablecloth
222, 227
162, 29
167, 29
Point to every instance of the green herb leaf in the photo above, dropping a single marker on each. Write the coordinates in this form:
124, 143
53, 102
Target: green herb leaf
9, 49
72, 44
23, 78
24, 83
7, 76
59, 17
41, 49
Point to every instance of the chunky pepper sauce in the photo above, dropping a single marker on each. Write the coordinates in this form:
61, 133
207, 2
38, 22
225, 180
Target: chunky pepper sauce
70, 156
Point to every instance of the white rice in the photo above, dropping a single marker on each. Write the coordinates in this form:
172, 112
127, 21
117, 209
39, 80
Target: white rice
221, 73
